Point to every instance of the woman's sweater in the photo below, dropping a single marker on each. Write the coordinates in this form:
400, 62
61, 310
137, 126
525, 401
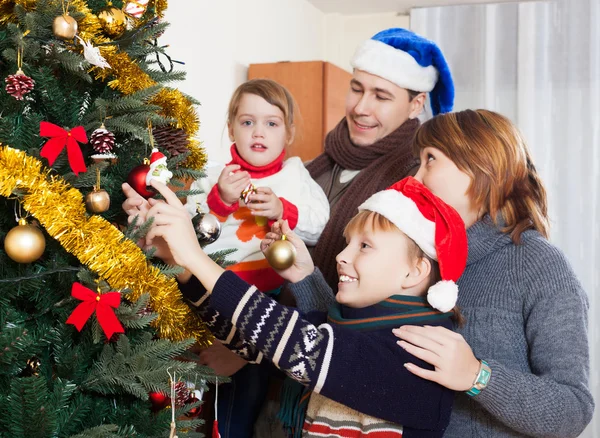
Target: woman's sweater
526, 316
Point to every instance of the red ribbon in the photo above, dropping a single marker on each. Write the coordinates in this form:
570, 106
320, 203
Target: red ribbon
101, 303
60, 137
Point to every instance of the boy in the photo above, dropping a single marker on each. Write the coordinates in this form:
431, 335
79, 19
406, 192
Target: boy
348, 352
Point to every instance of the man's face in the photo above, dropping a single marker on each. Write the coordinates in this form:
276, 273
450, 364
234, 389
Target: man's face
375, 107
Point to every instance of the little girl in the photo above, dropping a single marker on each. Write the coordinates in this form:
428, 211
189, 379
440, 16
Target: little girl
260, 123
247, 195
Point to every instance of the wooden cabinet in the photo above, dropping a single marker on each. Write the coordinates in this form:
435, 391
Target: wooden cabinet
319, 89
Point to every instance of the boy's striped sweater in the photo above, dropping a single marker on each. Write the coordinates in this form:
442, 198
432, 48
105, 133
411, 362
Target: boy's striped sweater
323, 352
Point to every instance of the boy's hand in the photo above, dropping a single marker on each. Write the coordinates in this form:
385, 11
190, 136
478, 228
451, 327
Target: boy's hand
223, 361
232, 183
265, 203
173, 226
303, 265
136, 205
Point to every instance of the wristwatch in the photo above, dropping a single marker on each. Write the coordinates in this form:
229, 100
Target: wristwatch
482, 379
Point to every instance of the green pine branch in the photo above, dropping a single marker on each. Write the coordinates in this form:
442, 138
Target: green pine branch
187, 173
104, 431
165, 77
135, 233
86, 179
138, 369
220, 257
169, 270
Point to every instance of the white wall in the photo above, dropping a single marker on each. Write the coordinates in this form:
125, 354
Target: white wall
217, 40
344, 33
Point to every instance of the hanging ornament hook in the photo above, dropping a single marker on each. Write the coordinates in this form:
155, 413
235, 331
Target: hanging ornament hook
97, 186
173, 396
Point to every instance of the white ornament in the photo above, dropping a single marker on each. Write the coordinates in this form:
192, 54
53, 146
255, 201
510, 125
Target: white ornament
158, 170
136, 8
443, 295
92, 54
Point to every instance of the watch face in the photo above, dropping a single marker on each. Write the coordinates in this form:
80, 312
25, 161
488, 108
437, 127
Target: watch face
483, 378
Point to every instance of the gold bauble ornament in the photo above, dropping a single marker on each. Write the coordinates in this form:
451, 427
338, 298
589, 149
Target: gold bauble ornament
281, 254
97, 201
65, 27
24, 243
113, 21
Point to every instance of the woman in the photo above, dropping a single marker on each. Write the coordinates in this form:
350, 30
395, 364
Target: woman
526, 313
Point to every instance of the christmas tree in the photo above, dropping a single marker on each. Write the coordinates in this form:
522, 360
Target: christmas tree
93, 335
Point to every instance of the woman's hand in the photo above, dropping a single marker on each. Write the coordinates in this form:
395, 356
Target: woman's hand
265, 203
232, 183
172, 226
303, 265
456, 367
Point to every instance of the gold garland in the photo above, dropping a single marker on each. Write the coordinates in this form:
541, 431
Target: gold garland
97, 243
127, 76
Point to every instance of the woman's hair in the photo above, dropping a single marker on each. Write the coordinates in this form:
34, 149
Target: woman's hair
378, 222
489, 148
274, 93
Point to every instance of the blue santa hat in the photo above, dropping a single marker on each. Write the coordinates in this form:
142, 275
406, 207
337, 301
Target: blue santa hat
409, 61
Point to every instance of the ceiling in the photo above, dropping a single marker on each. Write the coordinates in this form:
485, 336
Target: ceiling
353, 7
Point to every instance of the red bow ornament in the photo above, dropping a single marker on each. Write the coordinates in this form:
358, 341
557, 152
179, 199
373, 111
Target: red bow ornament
101, 303
60, 137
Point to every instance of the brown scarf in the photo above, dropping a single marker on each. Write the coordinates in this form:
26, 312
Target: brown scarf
381, 164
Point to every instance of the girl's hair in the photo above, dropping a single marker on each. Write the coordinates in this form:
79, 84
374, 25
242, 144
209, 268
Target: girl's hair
489, 148
274, 93
377, 222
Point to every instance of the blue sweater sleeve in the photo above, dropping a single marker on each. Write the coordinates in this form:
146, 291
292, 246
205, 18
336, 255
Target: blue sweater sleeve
361, 370
219, 325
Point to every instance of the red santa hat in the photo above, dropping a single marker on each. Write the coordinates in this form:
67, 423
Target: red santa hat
156, 155
435, 226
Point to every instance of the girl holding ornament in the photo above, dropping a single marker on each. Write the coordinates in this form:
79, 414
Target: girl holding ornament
247, 195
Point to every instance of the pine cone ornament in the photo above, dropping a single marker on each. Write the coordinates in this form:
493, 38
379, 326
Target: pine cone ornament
102, 140
182, 394
173, 140
19, 84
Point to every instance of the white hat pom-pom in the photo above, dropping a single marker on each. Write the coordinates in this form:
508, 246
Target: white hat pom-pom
443, 295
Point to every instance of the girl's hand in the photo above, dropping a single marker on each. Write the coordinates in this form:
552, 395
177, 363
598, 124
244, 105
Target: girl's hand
265, 203
456, 367
231, 183
303, 265
173, 224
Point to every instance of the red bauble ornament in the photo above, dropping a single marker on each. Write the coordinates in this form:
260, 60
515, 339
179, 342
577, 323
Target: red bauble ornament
159, 401
194, 412
137, 180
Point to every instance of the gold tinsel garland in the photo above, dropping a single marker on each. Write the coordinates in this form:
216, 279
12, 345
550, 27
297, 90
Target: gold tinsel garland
127, 76
97, 243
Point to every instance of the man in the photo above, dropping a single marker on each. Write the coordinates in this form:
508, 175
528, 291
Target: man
368, 151
371, 148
